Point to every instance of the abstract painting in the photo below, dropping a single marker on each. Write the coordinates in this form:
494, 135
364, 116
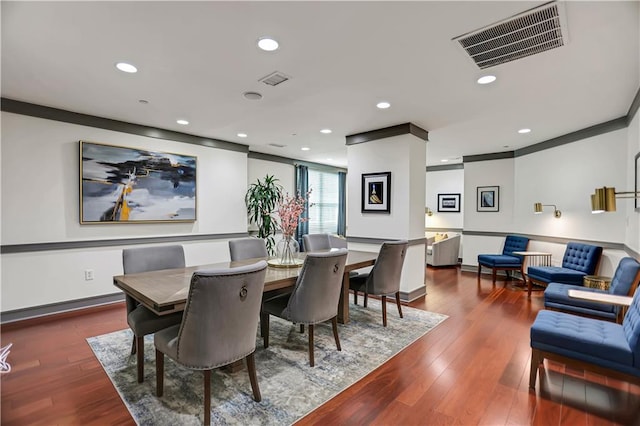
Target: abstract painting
130, 185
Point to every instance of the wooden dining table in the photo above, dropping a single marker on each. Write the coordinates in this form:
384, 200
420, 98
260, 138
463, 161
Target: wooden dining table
165, 291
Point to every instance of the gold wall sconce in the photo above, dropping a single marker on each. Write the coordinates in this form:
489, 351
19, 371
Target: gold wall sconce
537, 209
604, 199
428, 211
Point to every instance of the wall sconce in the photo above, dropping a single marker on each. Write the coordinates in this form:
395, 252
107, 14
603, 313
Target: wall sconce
537, 209
428, 211
604, 199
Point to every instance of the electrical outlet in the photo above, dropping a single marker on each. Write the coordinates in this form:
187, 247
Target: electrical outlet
88, 274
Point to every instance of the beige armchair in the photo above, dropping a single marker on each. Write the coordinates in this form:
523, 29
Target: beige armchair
444, 252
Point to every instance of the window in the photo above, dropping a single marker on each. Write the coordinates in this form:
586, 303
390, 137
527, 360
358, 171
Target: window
323, 215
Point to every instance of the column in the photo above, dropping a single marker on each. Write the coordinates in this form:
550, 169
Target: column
401, 151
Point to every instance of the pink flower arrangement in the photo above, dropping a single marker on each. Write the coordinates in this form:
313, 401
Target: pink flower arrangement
289, 210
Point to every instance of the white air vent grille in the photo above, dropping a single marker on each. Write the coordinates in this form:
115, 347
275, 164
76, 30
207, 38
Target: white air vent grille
274, 78
526, 34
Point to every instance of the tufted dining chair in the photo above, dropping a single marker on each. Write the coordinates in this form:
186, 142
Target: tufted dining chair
316, 242
384, 278
314, 298
140, 319
247, 248
218, 326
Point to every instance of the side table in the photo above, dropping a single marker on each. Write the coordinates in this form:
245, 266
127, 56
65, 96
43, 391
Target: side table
533, 258
596, 281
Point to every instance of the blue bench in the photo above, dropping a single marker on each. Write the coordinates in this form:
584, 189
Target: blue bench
506, 261
578, 261
603, 347
624, 283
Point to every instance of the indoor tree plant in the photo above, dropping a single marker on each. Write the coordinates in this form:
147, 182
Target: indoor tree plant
261, 199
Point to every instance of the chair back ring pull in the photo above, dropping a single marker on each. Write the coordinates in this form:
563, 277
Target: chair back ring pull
243, 292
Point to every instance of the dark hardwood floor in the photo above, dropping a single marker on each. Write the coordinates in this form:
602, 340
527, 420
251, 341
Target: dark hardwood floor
472, 369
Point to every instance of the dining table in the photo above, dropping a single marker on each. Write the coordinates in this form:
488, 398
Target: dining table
165, 291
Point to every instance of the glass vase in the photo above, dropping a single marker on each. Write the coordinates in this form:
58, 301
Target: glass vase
287, 250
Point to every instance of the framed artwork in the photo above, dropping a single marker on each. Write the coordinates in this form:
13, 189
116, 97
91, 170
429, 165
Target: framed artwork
449, 203
637, 186
488, 198
376, 192
130, 185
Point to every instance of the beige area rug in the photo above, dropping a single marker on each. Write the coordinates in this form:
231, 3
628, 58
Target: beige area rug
290, 387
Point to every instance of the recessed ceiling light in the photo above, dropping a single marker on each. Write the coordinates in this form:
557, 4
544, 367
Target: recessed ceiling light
383, 105
444, 160
524, 130
305, 148
268, 44
329, 159
325, 131
125, 67
242, 135
252, 96
486, 79
183, 122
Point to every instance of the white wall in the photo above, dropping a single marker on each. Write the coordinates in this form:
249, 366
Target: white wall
285, 173
489, 173
566, 176
40, 199
445, 182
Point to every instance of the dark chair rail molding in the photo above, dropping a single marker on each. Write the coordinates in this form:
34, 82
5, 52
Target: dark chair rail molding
70, 245
367, 240
557, 240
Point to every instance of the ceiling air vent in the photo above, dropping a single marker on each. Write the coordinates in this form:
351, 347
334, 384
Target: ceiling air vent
277, 145
274, 78
529, 33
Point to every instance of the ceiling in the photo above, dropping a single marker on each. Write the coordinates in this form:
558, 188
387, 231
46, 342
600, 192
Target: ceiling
196, 59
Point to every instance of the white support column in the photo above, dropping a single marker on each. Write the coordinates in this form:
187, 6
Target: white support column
400, 150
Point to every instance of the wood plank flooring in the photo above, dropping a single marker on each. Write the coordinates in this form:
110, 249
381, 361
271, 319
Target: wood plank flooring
472, 369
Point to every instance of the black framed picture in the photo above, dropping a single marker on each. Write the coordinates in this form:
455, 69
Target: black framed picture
488, 198
376, 192
449, 203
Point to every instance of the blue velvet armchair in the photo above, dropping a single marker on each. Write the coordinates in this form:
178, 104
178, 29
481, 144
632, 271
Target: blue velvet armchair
507, 261
579, 260
624, 283
603, 347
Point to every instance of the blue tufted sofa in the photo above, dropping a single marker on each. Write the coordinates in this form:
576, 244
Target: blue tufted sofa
578, 260
624, 283
590, 344
506, 261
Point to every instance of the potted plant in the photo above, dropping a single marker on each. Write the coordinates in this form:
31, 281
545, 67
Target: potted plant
261, 199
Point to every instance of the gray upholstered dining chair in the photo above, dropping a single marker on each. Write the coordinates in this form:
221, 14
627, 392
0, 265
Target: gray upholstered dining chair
140, 319
384, 278
314, 298
218, 326
316, 242
247, 248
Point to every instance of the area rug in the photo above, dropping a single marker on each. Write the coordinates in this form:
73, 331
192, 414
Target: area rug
290, 388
